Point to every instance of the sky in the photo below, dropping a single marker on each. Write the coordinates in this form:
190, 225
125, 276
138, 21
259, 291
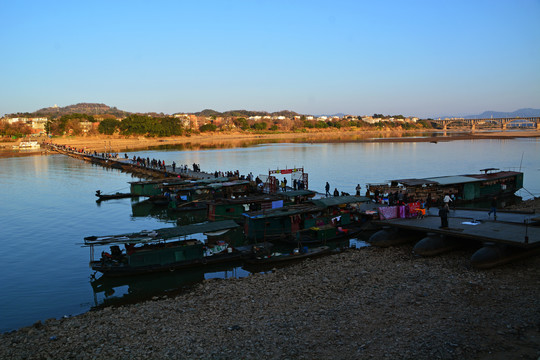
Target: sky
415, 58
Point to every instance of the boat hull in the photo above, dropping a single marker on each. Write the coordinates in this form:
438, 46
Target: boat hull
289, 257
121, 269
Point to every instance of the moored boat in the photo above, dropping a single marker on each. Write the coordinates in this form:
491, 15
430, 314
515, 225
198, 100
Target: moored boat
315, 221
296, 254
116, 195
168, 249
466, 188
27, 145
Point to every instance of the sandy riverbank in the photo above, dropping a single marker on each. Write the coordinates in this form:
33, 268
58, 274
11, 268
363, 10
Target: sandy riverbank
104, 143
370, 303
121, 144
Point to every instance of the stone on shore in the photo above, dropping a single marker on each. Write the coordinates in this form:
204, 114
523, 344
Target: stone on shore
372, 303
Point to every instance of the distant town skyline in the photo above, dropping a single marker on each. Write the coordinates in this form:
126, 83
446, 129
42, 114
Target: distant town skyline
419, 58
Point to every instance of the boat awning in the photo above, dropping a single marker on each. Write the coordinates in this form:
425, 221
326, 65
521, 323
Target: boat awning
415, 182
494, 176
211, 185
162, 234
228, 183
293, 193
159, 181
281, 212
339, 200
451, 180
455, 179
248, 199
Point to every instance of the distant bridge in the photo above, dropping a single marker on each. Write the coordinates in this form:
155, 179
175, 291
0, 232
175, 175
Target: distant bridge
500, 121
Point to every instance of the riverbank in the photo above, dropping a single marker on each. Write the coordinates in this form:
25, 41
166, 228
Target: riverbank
369, 303
105, 143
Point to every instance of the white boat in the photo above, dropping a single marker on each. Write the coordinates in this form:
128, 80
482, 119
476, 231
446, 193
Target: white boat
24, 145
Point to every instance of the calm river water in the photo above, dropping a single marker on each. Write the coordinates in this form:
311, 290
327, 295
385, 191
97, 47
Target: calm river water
48, 206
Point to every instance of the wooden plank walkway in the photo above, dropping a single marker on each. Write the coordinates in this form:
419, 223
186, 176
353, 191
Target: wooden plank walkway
509, 228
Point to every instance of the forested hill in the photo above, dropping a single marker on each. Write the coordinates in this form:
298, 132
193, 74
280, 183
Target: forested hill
81, 108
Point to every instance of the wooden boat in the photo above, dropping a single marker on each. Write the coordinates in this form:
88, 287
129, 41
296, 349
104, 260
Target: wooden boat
159, 200
27, 145
190, 206
287, 223
296, 254
329, 232
467, 188
116, 195
168, 249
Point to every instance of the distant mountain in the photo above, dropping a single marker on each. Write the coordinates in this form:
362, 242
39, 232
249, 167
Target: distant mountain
528, 112
245, 113
331, 115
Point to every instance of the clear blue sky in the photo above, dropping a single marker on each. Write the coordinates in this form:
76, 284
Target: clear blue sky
423, 58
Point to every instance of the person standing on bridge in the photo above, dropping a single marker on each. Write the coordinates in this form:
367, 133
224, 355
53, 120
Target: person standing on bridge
327, 188
493, 208
443, 213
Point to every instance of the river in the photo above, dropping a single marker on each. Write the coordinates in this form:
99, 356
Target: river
48, 206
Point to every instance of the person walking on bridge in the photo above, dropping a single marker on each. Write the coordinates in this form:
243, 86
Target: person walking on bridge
327, 188
493, 208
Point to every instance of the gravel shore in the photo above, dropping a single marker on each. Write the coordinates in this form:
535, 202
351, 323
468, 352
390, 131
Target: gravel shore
370, 303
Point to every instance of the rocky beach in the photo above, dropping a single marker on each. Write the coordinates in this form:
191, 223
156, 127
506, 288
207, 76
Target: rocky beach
369, 303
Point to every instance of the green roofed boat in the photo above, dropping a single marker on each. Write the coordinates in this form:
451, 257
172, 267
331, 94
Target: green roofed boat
470, 188
312, 222
168, 249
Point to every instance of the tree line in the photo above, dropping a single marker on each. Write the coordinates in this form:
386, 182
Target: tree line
161, 126
131, 125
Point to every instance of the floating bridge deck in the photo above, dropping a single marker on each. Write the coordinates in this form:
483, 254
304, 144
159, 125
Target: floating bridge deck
509, 228
127, 165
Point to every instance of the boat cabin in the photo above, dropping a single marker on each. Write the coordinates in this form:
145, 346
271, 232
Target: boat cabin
152, 187
284, 223
208, 190
163, 249
232, 209
467, 188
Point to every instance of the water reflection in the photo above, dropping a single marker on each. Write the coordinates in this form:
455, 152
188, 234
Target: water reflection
211, 144
146, 208
114, 291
